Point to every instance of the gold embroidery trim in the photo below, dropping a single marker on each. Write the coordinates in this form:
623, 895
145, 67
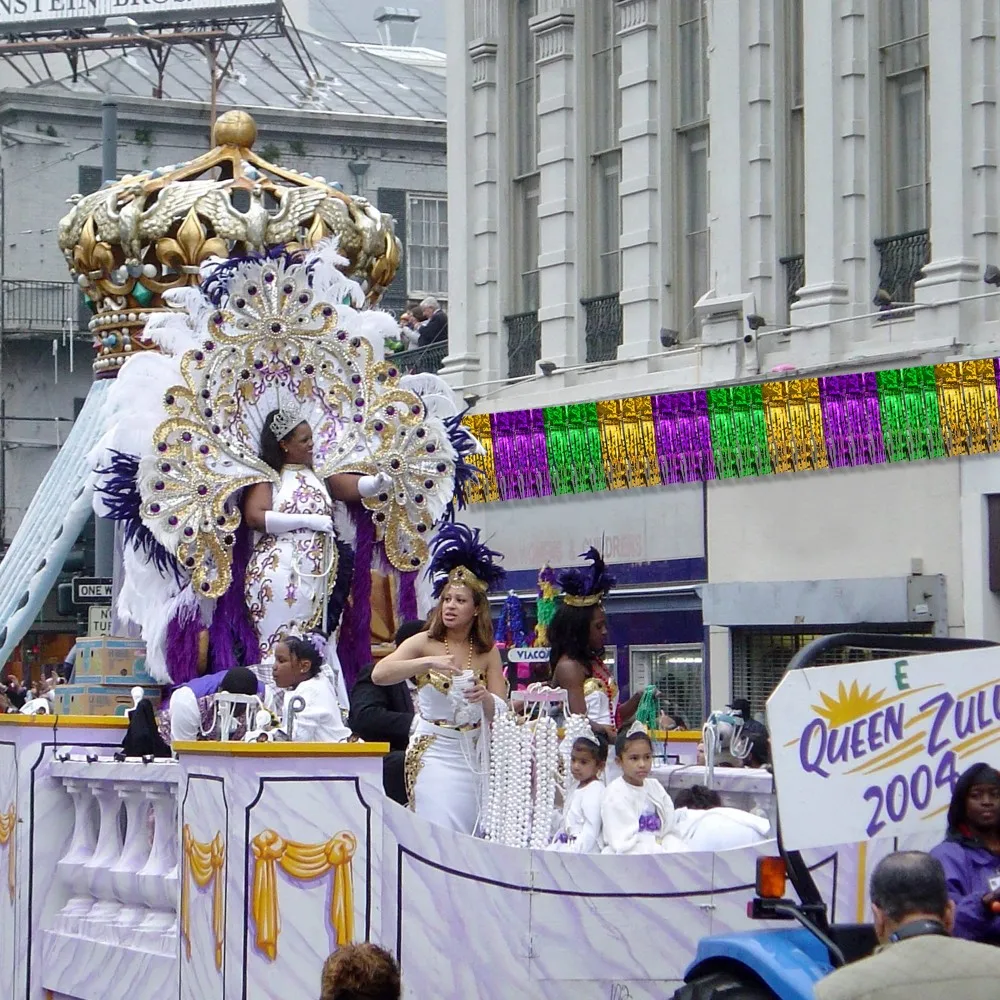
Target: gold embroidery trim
413, 762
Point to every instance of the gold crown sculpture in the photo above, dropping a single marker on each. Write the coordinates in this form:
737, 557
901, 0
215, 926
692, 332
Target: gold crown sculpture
131, 241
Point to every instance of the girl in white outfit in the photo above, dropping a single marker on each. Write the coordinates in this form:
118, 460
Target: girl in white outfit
580, 828
637, 813
298, 668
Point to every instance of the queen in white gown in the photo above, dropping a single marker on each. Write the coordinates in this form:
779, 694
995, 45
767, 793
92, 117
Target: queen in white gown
460, 685
293, 566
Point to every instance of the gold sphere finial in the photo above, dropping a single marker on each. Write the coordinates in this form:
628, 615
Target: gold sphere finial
234, 128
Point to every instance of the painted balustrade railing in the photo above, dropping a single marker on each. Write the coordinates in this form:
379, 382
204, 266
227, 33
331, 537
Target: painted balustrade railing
119, 874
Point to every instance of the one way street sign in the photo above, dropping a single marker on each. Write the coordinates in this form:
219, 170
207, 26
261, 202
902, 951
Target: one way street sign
91, 590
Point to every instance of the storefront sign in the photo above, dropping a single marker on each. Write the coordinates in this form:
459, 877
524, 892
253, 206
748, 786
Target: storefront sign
529, 655
76, 13
875, 749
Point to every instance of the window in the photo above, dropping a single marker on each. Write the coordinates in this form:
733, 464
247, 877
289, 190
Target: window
905, 64
524, 138
605, 150
678, 674
427, 245
692, 150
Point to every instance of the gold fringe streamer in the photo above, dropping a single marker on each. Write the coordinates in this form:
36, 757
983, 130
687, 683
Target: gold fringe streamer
794, 420
203, 864
485, 489
8, 824
628, 442
305, 862
967, 402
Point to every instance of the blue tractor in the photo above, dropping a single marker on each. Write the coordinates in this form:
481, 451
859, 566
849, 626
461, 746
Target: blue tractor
785, 964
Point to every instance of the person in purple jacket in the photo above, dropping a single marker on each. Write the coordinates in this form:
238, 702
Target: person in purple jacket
970, 854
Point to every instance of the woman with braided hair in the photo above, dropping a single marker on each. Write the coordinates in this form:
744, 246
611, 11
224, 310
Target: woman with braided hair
460, 683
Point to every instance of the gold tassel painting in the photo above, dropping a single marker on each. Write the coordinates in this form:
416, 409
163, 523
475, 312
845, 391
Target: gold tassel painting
305, 862
203, 864
8, 824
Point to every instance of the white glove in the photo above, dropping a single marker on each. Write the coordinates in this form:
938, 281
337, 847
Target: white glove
277, 522
372, 486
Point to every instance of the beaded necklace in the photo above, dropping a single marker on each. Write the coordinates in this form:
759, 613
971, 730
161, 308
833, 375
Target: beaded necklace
447, 649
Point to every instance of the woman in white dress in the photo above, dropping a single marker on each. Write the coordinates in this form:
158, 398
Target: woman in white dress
298, 669
460, 684
293, 566
636, 814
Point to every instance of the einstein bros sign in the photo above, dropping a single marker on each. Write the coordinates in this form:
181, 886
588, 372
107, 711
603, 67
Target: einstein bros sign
874, 749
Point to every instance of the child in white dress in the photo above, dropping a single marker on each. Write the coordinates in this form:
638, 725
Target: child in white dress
580, 828
636, 814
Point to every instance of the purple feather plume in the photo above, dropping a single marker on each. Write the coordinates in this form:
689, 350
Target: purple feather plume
215, 286
182, 645
119, 491
341, 590
355, 646
408, 611
581, 583
457, 545
465, 473
232, 640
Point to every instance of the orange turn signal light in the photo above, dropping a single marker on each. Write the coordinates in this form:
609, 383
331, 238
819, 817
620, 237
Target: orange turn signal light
771, 878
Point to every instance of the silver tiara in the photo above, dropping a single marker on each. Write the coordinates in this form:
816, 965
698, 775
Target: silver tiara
590, 737
636, 729
285, 421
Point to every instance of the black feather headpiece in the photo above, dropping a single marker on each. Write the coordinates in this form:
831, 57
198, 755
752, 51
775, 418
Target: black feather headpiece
582, 589
458, 556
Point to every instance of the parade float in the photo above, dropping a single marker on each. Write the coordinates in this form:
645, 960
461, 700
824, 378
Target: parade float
233, 870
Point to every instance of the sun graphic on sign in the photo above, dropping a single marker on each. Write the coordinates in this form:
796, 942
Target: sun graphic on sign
850, 704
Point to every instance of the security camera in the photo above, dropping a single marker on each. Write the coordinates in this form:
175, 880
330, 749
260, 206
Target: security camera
669, 338
755, 322
547, 367
470, 399
992, 275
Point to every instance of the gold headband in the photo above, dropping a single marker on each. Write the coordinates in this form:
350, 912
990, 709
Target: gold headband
587, 601
461, 576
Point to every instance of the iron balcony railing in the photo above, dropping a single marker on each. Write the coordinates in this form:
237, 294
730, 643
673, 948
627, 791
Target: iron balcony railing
31, 308
604, 327
421, 359
902, 258
524, 344
795, 275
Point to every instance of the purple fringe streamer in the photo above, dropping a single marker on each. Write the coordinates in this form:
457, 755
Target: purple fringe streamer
520, 454
182, 645
408, 598
852, 421
683, 437
232, 640
355, 646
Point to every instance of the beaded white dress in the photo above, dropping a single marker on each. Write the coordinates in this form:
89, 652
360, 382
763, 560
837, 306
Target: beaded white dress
290, 575
446, 767
580, 829
636, 819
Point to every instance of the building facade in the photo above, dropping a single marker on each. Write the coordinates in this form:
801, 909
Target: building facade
659, 196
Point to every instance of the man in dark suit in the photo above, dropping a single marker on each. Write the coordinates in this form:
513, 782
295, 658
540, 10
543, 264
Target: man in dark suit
384, 715
434, 329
